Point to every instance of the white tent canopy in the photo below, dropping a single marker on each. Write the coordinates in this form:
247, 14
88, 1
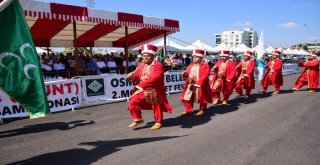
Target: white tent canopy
170, 45
200, 45
256, 48
241, 48
269, 49
280, 49
303, 52
222, 46
289, 51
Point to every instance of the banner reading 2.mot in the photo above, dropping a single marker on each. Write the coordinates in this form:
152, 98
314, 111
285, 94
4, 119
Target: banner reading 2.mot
105, 89
118, 86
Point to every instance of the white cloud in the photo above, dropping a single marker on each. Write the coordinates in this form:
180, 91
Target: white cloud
243, 24
289, 25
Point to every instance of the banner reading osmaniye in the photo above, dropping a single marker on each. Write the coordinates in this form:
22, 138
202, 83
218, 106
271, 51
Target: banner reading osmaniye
105, 89
20, 71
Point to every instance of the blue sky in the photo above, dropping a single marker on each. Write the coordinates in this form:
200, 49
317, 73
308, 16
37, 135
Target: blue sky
284, 22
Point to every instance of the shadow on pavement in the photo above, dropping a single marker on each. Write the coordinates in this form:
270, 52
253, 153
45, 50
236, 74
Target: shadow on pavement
286, 91
83, 156
62, 126
193, 120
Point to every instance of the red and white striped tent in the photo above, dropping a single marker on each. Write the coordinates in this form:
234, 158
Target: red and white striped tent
58, 25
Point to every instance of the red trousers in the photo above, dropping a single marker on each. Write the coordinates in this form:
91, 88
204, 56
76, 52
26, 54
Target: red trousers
188, 105
301, 83
137, 103
239, 87
226, 94
267, 83
216, 96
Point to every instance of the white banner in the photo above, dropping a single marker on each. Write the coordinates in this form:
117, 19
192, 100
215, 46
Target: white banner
105, 89
62, 95
118, 87
290, 69
113, 87
173, 81
9, 108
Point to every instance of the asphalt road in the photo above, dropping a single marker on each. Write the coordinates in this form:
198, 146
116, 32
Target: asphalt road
281, 129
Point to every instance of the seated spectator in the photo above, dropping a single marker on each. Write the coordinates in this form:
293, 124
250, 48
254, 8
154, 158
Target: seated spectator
47, 70
124, 66
112, 66
92, 66
168, 62
132, 64
60, 69
83, 70
102, 67
139, 59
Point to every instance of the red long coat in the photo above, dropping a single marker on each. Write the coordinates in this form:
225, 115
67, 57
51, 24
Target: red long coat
227, 87
276, 77
204, 91
310, 73
155, 81
248, 80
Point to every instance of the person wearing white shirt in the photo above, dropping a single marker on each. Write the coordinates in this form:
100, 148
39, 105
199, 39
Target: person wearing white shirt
112, 66
60, 68
47, 70
101, 66
132, 64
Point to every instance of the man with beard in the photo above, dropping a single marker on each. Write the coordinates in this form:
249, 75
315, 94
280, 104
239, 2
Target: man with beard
149, 89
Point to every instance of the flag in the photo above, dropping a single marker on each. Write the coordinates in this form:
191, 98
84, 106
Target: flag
161, 54
20, 72
260, 50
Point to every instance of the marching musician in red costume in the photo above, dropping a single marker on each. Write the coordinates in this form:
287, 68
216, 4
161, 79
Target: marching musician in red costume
223, 79
196, 87
310, 74
245, 75
273, 74
149, 89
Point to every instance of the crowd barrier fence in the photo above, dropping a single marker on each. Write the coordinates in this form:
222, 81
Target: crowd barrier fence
87, 91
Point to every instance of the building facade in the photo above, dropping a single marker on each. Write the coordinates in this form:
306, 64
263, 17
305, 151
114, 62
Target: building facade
234, 38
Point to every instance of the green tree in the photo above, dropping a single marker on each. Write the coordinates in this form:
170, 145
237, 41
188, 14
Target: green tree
305, 47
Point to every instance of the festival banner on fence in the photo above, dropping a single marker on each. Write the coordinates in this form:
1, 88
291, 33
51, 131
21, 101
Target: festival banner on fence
118, 87
114, 87
290, 69
10, 108
93, 89
173, 81
62, 95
